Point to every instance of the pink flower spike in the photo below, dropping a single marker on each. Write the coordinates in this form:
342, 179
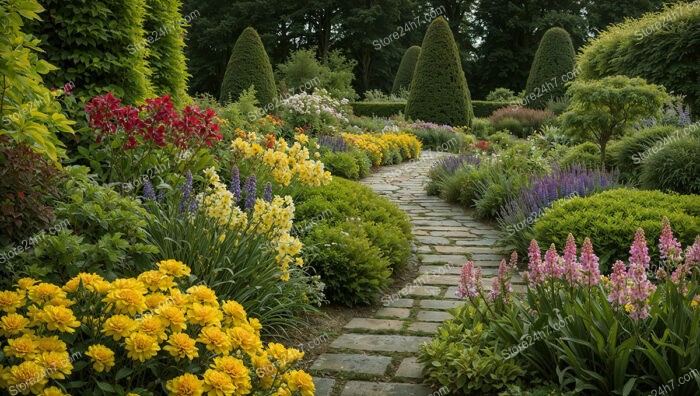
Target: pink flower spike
589, 264
669, 247
639, 253
535, 274
553, 267
572, 269
617, 295
470, 281
692, 254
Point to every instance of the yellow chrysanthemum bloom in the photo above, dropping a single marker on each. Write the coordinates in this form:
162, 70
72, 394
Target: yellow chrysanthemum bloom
141, 347
102, 357
156, 280
12, 324
174, 268
26, 283
10, 301
203, 295
126, 301
23, 347
59, 318
155, 300
204, 315
235, 313
119, 326
217, 383
185, 385
153, 326
45, 292
236, 370
53, 391
29, 374
50, 344
246, 339
181, 346
215, 340
129, 283
91, 282
56, 364
299, 381
173, 317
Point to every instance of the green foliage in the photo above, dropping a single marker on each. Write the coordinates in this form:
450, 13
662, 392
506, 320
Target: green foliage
353, 269
586, 154
481, 127
610, 219
29, 114
364, 165
675, 167
553, 64
659, 47
166, 56
99, 46
341, 164
376, 95
484, 108
249, 66
440, 139
509, 124
501, 95
104, 233
604, 109
528, 120
631, 151
462, 357
302, 72
377, 109
404, 75
441, 97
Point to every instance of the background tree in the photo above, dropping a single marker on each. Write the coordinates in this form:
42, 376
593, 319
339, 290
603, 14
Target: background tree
404, 74
553, 65
439, 90
249, 65
602, 110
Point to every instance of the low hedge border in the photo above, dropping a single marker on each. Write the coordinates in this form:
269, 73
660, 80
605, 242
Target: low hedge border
482, 108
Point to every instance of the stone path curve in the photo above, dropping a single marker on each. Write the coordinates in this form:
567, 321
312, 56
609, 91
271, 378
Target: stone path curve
376, 355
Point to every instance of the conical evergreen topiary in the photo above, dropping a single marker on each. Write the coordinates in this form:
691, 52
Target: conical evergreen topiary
551, 69
439, 91
405, 73
249, 65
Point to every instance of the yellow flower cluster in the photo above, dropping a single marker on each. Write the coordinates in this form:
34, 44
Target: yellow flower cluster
380, 146
285, 162
172, 329
272, 219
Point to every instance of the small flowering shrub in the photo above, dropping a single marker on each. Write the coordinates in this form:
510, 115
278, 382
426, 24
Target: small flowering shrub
129, 140
91, 336
444, 138
632, 331
385, 148
317, 112
529, 120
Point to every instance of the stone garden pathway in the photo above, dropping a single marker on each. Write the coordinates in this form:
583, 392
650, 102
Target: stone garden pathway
377, 355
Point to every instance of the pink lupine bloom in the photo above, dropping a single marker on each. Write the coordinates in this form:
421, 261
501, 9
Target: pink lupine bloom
513, 263
668, 245
470, 281
639, 291
535, 273
553, 265
589, 264
501, 285
639, 253
572, 268
617, 295
692, 254
678, 277
495, 289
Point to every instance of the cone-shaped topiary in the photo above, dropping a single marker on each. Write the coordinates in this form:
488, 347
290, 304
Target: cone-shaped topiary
405, 73
439, 90
249, 65
552, 67
166, 56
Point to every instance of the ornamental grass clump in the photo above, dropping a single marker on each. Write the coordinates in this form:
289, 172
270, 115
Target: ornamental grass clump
151, 334
583, 331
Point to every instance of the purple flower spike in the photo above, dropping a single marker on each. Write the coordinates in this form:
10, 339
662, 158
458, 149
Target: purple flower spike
250, 190
268, 192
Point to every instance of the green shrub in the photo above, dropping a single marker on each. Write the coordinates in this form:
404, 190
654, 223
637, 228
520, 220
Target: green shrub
501, 95
482, 128
166, 55
675, 167
391, 241
99, 46
552, 67
364, 165
440, 139
302, 72
404, 74
377, 109
341, 164
104, 233
483, 108
511, 125
530, 120
586, 154
249, 65
658, 47
501, 139
610, 219
631, 151
441, 97
354, 270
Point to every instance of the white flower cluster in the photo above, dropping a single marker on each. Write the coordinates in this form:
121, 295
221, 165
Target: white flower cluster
320, 102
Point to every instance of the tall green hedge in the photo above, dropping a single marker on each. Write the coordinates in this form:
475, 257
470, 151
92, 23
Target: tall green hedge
249, 65
92, 45
552, 67
659, 47
166, 55
439, 91
405, 73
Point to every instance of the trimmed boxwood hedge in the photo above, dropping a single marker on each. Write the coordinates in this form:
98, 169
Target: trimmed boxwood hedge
405, 73
553, 61
482, 108
611, 218
249, 65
